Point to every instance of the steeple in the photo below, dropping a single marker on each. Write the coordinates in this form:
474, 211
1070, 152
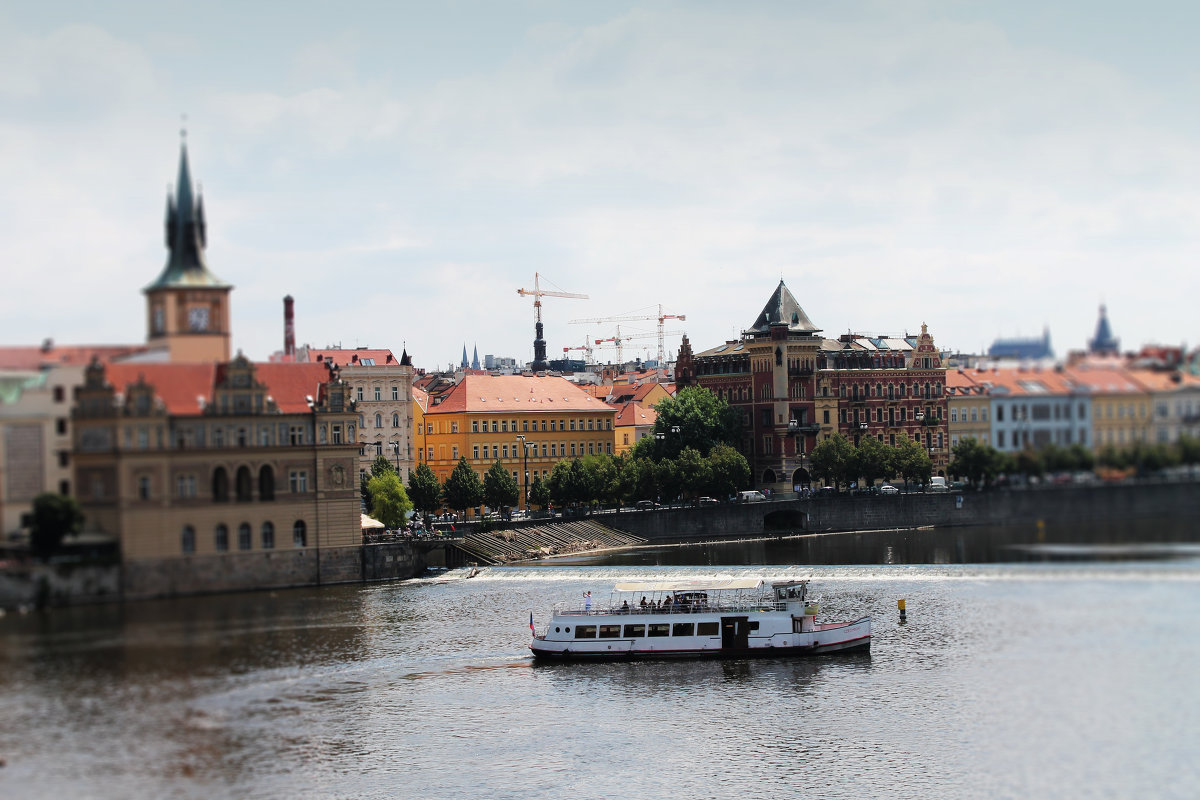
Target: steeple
782, 308
186, 235
1103, 342
464, 363
475, 358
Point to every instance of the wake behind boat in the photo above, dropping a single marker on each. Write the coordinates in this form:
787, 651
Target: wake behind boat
734, 618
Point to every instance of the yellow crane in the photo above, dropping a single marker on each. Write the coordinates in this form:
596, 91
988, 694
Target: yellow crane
660, 317
618, 341
539, 343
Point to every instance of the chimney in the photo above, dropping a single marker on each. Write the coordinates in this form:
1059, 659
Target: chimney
289, 329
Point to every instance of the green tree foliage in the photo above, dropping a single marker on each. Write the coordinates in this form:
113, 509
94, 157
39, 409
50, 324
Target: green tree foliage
1189, 450
381, 466
54, 517
604, 477
692, 473
639, 479
424, 489
500, 491
728, 471
666, 477
389, 502
977, 462
560, 486
1082, 458
833, 460
539, 493
1029, 463
463, 488
694, 418
873, 459
912, 462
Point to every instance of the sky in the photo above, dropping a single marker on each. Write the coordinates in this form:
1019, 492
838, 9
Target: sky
990, 169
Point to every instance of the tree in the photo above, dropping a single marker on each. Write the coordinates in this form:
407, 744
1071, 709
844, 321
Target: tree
424, 489
692, 473
539, 493
559, 484
500, 491
694, 418
977, 462
667, 479
638, 480
728, 471
389, 502
833, 459
381, 466
873, 459
912, 462
54, 517
1029, 463
463, 488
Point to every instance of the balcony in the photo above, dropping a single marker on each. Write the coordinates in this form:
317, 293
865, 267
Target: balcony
797, 427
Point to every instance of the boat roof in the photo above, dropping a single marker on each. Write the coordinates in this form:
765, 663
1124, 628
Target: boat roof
695, 585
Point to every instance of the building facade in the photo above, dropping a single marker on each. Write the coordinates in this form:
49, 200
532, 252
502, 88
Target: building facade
219, 477
528, 423
968, 406
382, 388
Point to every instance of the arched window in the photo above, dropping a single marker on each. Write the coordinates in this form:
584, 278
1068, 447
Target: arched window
266, 483
220, 485
300, 534
379, 420
395, 419
268, 536
769, 476
187, 539
245, 485
244, 542
221, 538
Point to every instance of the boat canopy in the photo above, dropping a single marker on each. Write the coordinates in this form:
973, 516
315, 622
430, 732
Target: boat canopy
697, 585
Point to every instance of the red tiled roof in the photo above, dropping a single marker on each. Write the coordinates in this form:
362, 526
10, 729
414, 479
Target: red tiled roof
1104, 380
180, 385
345, 358
513, 393
32, 358
635, 414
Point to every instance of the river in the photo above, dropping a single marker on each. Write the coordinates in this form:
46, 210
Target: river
1043, 667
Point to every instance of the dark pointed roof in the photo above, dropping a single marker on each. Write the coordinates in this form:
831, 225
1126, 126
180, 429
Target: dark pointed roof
186, 237
405, 359
1103, 342
782, 307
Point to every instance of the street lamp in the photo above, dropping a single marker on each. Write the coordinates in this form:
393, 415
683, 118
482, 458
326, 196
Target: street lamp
525, 453
396, 449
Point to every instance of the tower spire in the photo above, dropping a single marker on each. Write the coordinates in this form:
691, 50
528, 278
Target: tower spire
186, 233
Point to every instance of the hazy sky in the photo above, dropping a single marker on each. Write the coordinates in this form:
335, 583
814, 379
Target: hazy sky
402, 169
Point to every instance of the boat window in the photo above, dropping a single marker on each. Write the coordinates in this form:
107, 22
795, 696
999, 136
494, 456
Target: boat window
660, 629
683, 629
610, 631
708, 628
753, 624
585, 631
635, 630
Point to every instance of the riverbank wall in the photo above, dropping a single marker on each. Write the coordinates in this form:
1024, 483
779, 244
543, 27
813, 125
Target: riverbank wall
1107, 503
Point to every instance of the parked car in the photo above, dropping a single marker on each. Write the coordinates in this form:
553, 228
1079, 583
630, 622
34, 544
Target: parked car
708, 501
646, 505
887, 488
751, 497
938, 484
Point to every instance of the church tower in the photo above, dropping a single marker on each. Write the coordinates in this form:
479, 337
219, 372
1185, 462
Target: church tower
187, 307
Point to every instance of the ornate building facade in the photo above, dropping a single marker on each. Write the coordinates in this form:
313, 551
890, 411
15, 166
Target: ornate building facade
220, 477
794, 388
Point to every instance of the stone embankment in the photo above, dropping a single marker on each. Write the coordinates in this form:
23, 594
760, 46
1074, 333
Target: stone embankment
543, 540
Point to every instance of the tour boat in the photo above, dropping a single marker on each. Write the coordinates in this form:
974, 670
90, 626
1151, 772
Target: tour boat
723, 618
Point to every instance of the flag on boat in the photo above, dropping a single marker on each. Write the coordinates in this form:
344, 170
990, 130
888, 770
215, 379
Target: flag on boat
531, 622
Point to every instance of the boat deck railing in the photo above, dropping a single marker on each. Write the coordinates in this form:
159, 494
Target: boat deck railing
672, 608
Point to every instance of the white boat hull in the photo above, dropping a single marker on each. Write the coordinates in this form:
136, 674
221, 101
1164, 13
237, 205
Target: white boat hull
636, 635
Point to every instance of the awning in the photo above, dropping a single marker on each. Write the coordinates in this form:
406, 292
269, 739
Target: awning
368, 522
695, 585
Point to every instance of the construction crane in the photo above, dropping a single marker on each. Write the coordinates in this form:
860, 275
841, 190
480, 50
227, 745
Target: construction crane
618, 341
585, 347
660, 317
539, 343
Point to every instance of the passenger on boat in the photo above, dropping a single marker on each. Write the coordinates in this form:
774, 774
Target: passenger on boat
624, 606
644, 603
587, 601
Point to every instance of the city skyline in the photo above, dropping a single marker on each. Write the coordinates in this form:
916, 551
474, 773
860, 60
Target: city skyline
990, 170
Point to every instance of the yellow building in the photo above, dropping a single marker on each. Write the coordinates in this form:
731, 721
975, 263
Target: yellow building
968, 404
486, 418
1122, 409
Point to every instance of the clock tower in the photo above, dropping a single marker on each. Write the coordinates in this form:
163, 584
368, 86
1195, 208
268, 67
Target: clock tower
187, 307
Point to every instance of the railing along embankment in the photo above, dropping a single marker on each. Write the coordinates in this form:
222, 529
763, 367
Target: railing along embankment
543, 541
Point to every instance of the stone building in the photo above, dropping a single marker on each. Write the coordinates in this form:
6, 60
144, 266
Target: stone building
382, 388
794, 387
220, 477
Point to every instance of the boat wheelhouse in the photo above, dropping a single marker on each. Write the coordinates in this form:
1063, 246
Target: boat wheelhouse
723, 618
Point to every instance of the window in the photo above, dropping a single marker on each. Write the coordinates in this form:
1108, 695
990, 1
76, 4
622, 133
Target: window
300, 534
185, 485
525, 425
143, 489
379, 420
268, 536
395, 419
954, 414
378, 393
683, 629
608, 447
572, 424
506, 450
572, 448
187, 539
610, 631
454, 427
543, 426
220, 485
474, 426
553, 449
298, 481
395, 392
543, 449
244, 542
708, 628
585, 631
221, 538
635, 631
243, 485
590, 422
454, 452
659, 629
295, 435
504, 426
359, 392
474, 451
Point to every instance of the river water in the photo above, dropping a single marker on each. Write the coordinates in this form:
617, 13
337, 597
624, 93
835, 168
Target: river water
1064, 671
